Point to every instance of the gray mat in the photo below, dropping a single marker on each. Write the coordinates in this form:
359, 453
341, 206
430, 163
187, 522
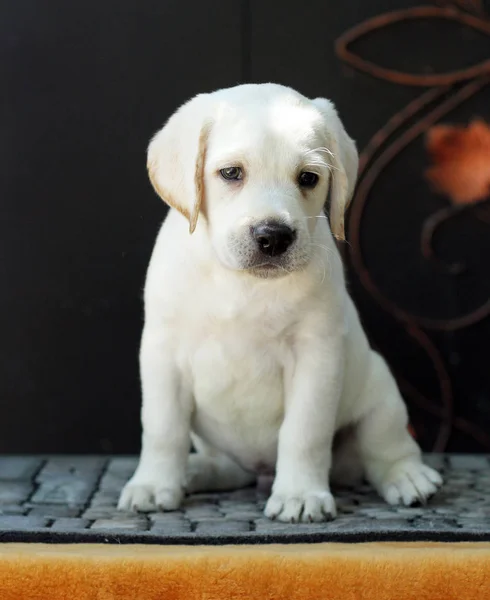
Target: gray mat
73, 499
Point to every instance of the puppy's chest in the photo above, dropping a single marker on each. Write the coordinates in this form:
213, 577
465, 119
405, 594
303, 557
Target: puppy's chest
231, 360
238, 387
237, 362
237, 328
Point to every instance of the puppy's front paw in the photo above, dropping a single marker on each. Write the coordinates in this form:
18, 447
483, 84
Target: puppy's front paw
409, 482
308, 507
149, 496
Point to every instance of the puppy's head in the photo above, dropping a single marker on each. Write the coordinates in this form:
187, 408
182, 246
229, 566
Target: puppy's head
255, 164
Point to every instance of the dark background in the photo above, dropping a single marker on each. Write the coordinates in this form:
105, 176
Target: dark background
83, 87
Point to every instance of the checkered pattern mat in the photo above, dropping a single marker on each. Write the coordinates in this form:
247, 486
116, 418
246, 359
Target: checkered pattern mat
73, 499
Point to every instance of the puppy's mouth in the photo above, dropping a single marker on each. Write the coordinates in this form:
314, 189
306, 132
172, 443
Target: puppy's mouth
268, 270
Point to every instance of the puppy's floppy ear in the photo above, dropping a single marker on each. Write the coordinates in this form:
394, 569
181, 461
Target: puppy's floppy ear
176, 158
345, 162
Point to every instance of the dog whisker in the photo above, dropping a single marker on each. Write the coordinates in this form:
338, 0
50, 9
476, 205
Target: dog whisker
321, 149
324, 270
324, 164
315, 242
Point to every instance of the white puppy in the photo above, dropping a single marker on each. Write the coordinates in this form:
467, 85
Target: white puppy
252, 346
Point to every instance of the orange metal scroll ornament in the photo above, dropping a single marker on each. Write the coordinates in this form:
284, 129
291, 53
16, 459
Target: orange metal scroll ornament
443, 93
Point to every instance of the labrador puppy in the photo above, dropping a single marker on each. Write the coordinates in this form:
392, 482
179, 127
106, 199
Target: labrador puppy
252, 347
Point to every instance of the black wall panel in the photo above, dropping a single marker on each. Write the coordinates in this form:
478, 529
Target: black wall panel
83, 87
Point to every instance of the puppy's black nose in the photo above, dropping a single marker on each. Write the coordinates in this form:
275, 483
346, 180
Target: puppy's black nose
273, 238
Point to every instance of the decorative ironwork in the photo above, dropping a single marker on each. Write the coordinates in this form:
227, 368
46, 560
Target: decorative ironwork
445, 92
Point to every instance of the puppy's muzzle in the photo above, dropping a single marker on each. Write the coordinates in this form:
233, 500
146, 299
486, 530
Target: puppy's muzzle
273, 238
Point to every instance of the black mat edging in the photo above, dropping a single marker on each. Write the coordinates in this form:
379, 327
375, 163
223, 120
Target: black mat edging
47, 536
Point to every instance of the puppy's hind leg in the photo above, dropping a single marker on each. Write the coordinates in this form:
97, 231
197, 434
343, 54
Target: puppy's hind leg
391, 457
209, 470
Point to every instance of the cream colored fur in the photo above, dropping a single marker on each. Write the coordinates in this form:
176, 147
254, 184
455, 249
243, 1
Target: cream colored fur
260, 361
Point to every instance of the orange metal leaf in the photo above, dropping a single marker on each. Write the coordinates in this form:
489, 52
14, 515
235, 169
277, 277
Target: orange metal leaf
461, 161
418, 12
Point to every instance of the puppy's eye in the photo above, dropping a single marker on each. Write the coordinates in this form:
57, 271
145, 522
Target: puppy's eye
232, 173
307, 179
